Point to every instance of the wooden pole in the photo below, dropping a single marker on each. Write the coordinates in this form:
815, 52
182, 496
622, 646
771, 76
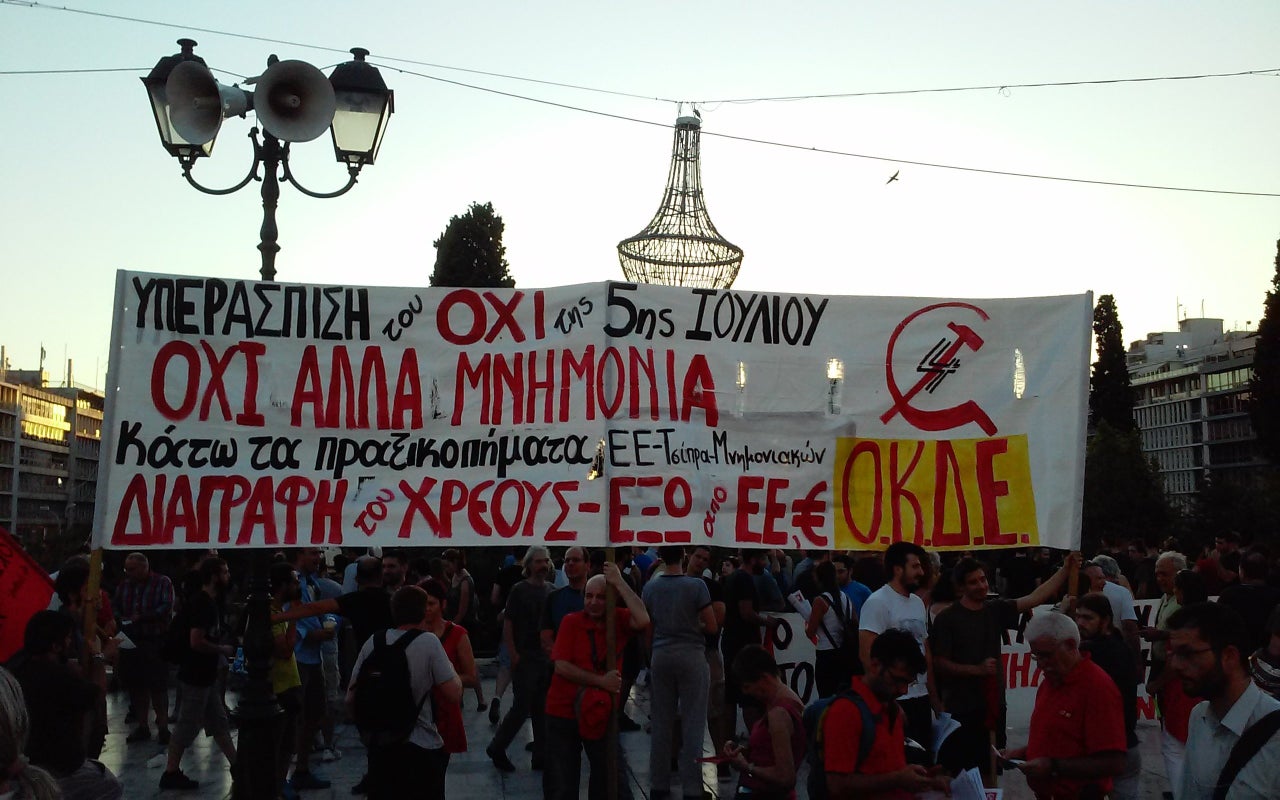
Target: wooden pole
91, 603
611, 663
990, 780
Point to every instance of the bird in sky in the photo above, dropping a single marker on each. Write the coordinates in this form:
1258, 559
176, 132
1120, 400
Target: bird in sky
893, 178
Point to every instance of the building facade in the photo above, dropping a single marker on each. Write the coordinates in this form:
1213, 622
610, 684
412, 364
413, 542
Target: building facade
1191, 394
49, 449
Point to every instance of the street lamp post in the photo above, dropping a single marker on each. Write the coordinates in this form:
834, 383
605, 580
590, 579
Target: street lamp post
293, 102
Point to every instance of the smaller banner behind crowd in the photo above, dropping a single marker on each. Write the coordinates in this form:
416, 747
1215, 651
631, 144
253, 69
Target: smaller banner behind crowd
257, 414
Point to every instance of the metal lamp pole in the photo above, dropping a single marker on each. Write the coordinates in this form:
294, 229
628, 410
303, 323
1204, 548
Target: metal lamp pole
293, 102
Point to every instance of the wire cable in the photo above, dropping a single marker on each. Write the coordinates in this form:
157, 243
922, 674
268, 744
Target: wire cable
733, 137
269, 40
1274, 72
842, 153
70, 71
100, 70
999, 87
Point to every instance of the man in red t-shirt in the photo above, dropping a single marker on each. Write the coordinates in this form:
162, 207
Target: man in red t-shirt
579, 655
882, 773
1077, 740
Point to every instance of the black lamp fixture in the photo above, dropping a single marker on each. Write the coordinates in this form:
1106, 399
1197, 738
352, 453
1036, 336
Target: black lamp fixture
293, 102
364, 105
156, 83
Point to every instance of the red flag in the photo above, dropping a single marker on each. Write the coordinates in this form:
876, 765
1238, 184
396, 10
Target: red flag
25, 588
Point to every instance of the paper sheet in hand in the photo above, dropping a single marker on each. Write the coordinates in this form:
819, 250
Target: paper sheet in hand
968, 786
801, 605
943, 726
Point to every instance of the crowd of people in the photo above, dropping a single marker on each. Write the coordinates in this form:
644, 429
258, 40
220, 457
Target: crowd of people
388, 641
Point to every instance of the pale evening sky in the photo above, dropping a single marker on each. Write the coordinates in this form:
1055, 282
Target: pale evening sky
88, 189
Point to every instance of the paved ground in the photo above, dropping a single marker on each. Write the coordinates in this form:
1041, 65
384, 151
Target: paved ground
471, 774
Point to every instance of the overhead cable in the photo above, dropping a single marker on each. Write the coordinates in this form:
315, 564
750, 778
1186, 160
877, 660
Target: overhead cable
842, 153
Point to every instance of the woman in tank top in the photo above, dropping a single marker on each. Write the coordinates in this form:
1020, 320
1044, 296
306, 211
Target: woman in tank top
776, 744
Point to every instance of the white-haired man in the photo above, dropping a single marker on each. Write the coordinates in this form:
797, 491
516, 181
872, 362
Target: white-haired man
1168, 564
1076, 744
1104, 576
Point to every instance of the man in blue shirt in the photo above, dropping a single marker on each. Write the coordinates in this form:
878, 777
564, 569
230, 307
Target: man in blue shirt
855, 591
312, 634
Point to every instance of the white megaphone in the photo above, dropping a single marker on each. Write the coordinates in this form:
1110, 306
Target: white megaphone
294, 101
198, 103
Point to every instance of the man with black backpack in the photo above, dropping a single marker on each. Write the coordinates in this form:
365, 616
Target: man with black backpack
391, 686
858, 740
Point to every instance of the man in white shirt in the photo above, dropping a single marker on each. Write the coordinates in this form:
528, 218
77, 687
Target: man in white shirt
895, 605
1104, 576
1208, 652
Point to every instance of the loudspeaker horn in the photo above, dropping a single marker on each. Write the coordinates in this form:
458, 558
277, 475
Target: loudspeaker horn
198, 103
294, 101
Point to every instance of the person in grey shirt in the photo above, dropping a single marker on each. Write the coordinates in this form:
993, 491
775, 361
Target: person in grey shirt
1208, 652
680, 608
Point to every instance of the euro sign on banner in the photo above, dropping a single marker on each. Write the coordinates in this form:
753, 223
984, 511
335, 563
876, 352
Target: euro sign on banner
249, 414
25, 588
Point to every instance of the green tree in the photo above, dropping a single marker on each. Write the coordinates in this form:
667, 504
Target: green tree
470, 251
1264, 388
1250, 508
1123, 494
1110, 394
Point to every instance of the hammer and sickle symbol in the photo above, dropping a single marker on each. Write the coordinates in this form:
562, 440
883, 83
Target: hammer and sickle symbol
944, 418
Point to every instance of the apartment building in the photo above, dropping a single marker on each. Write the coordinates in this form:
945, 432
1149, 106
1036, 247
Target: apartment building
1191, 392
49, 442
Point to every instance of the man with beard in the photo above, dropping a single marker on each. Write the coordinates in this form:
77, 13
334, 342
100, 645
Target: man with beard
895, 605
530, 664
881, 773
1076, 741
1208, 652
394, 567
1103, 643
965, 641
742, 624
201, 705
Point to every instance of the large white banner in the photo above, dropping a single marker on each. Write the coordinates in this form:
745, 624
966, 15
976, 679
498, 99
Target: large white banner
257, 414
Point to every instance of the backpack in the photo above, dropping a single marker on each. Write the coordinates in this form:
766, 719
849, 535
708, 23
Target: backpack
847, 652
814, 716
386, 711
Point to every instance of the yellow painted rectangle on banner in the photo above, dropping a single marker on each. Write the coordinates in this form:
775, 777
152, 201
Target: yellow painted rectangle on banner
950, 494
